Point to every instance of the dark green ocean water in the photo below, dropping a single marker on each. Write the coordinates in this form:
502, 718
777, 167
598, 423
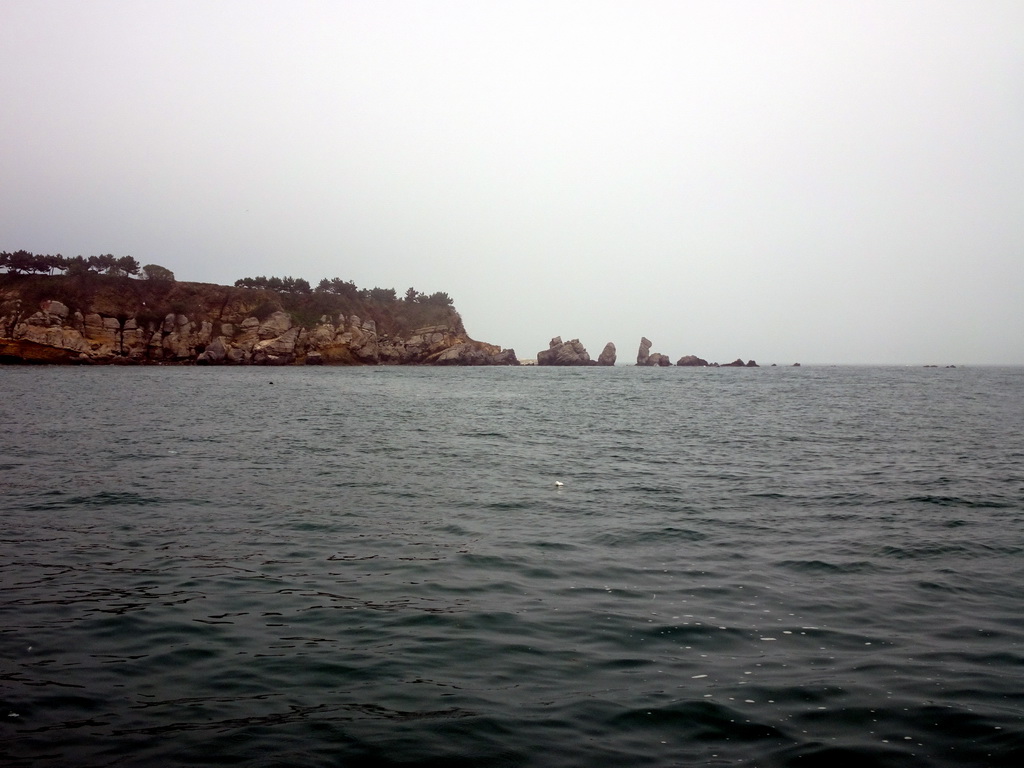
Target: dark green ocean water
374, 567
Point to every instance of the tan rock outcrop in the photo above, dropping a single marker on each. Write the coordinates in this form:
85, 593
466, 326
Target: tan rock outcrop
103, 320
564, 353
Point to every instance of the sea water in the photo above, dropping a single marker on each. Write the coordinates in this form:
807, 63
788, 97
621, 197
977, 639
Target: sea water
376, 566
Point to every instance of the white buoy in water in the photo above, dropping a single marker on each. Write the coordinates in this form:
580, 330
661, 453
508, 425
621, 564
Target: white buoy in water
559, 483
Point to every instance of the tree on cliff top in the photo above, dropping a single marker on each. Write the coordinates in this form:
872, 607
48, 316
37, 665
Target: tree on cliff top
156, 272
126, 266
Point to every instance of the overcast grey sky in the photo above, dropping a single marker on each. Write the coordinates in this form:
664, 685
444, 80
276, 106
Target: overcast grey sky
823, 182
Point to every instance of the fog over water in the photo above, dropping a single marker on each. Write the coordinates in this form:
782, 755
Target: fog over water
789, 181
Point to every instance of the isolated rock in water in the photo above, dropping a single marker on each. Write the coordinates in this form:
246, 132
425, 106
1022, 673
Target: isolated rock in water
752, 364
564, 353
691, 360
607, 356
646, 357
737, 363
645, 351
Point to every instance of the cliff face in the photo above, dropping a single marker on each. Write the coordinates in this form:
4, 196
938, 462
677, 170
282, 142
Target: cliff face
101, 319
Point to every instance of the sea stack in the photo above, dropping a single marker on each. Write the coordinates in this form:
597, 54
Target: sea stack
607, 356
645, 351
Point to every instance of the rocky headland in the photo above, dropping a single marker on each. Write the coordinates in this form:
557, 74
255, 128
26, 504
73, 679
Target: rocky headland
96, 318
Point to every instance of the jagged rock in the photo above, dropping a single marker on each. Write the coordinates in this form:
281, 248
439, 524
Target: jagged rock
425, 343
322, 334
475, 353
390, 351
23, 350
56, 308
564, 353
274, 326
737, 363
607, 356
692, 361
178, 342
362, 342
752, 364
216, 352
645, 351
281, 345
67, 341
646, 357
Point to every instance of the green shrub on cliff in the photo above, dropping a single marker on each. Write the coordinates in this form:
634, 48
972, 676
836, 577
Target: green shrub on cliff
333, 296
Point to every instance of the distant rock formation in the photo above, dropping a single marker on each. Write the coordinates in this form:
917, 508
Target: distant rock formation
564, 353
607, 356
646, 357
692, 361
644, 354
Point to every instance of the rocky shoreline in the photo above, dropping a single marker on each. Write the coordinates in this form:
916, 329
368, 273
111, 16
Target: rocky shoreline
212, 325
121, 321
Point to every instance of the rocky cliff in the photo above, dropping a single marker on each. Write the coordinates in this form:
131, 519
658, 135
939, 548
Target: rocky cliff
105, 319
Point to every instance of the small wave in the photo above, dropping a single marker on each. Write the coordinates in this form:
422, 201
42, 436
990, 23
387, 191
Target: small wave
922, 551
826, 756
821, 566
701, 721
956, 501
